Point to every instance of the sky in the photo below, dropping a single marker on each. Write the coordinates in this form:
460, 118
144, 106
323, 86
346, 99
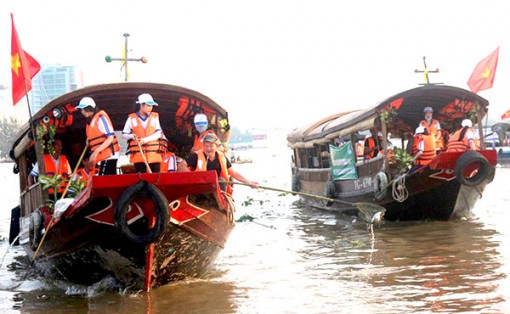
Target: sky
271, 64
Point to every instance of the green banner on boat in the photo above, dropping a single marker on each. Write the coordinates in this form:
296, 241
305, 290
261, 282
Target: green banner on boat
343, 162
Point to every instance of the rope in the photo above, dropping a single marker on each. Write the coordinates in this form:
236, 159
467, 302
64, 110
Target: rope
399, 190
231, 208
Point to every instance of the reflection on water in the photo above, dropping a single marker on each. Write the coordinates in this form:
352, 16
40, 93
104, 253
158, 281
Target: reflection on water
298, 260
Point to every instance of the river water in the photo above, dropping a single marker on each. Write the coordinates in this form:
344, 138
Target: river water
290, 259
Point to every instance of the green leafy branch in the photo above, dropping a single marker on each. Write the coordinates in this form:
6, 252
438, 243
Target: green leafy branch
54, 182
387, 114
402, 159
41, 131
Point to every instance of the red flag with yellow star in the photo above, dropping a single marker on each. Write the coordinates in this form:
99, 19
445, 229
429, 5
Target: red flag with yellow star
484, 72
23, 68
506, 115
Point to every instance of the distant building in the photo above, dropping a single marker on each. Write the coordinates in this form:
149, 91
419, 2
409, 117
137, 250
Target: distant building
53, 81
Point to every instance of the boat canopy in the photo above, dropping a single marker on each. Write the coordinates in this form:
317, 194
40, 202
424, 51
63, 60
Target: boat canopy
450, 105
177, 106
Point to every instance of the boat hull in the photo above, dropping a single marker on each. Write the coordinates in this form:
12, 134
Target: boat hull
433, 192
84, 245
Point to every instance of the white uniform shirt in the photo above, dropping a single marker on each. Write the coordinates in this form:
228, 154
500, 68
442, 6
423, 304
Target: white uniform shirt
107, 129
127, 133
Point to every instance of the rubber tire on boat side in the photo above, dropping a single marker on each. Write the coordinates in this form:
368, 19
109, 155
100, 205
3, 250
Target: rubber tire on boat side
467, 159
14, 229
142, 188
380, 184
34, 229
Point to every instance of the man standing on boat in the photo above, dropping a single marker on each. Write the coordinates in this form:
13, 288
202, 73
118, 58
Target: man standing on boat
464, 138
100, 136
210, 158
432, 126
143, 130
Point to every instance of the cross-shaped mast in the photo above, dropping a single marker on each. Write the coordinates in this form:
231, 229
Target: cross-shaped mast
125, 59
426, 72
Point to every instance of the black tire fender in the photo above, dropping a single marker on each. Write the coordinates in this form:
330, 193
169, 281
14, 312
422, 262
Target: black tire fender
142, 188
380, 184
14, 229
35, 227
468, 159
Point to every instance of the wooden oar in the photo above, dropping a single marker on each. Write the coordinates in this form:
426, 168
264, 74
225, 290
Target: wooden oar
61, 197
149, 170
362, 207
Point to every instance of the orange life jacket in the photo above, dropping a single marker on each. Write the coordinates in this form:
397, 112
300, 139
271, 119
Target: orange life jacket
433, 129
371, 144
459, 142
96, 137
199, 139
63, 169
84, 175
429, 148
202, 166
150, 149
167, 157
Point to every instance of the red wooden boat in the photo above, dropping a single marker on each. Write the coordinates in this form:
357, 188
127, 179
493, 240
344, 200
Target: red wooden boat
145, 230
446, 188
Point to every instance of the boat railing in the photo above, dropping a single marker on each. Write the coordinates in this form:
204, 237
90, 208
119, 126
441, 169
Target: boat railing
31, 198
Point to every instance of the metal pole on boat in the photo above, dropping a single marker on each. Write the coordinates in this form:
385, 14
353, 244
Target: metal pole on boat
426, 72
126, 73
125, 58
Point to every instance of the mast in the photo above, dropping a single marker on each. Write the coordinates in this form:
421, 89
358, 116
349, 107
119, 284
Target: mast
125, 58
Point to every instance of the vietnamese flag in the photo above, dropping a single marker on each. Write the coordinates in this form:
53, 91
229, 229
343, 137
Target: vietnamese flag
484, 72
506, 115
23, 68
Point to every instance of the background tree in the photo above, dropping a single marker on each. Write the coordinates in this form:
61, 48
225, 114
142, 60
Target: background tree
9, 128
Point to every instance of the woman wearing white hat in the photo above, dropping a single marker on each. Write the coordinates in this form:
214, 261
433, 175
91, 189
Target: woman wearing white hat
143, 129
100, 136
464, 138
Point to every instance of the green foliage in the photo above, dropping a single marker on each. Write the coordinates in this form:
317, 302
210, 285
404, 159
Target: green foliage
41, 131
77, 186
248, 201
244, 218
387, 114
9, 128
402, 159
52, 182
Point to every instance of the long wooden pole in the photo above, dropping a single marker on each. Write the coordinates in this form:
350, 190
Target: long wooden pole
143, 155
308, 195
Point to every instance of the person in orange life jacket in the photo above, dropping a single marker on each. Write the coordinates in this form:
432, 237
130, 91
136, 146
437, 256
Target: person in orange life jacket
201, 125
54, 164
88, 169
432, 126
464, 138
424, 147
100, 136
210, 158
372, 145
171, 162
143, 125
